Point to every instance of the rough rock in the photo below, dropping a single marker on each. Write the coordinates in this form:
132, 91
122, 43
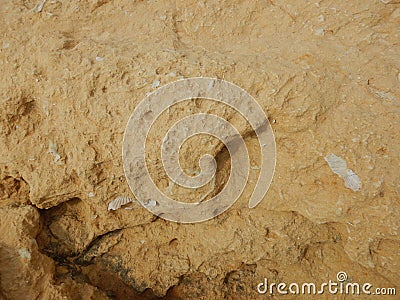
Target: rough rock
328, 76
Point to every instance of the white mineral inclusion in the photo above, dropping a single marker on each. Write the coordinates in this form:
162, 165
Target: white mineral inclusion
156, 84
24, 253
339, 166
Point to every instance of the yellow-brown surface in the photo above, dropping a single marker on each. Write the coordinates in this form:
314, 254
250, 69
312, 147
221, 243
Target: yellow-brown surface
327, 73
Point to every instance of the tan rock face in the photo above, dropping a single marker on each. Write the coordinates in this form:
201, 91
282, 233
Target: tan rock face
326, 74
25, 273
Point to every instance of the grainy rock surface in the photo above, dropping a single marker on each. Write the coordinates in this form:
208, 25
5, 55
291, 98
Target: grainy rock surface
328, 76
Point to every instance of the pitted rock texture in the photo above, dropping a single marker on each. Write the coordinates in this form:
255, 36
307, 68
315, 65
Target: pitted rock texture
328, 76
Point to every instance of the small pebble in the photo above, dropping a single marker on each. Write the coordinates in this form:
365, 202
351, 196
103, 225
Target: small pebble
156, 83
151, 203
319, 32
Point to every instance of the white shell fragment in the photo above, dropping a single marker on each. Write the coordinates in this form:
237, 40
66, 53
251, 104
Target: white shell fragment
339, 166
352, 181
53, 151
382, 95
118, 202
151, 203
39, 6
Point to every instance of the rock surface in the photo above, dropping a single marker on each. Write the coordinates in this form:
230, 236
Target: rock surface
327, 75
